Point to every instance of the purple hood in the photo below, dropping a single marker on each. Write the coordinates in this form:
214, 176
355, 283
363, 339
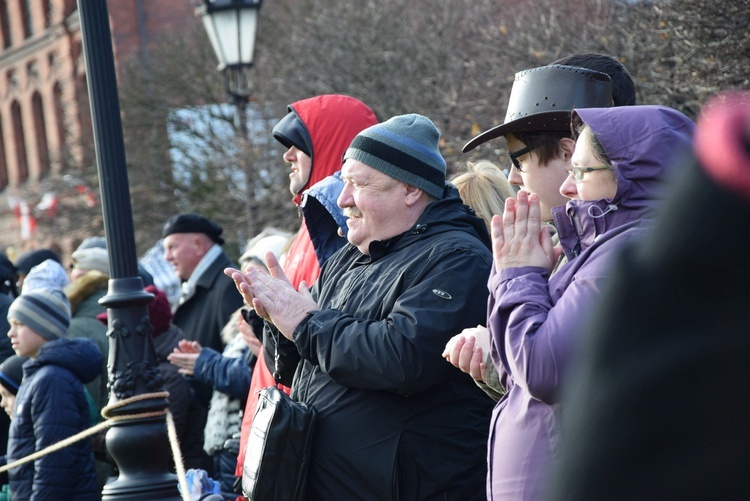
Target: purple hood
641, 142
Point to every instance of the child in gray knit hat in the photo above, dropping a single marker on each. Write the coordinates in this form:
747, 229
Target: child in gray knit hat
51, 404
37, 317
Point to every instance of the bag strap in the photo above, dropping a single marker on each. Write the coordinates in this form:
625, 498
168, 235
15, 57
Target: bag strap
276, 373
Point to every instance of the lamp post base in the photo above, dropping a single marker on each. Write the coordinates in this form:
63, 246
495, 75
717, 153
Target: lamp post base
139, 448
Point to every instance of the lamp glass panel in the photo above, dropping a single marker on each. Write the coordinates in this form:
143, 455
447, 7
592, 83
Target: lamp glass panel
247, 29
226, 24
208, 23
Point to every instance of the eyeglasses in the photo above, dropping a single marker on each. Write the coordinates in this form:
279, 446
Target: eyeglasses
578, 172
519, 153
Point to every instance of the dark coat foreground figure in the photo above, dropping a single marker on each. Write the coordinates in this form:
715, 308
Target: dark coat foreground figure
394, 420
657, 408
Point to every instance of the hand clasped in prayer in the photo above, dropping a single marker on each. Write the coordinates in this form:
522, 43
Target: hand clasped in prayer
518, 237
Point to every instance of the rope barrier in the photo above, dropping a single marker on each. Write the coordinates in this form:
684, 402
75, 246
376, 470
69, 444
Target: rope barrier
177, 455
111, 420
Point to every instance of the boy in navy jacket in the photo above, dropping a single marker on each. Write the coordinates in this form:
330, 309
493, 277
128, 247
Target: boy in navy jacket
51, 404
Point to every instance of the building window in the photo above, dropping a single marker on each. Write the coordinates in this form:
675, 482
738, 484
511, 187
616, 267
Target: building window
5, 23
28, 25
19, 143
32, 71
40, 131
12, 80
3, 161
47, 9
59, 122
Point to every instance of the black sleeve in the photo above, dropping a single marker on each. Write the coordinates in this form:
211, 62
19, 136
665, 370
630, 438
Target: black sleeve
288, 359
254, 320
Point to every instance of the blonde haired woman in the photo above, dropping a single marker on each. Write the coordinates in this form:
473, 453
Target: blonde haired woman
484, 188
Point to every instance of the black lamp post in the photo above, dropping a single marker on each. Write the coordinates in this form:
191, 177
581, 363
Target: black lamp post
139, 445
231, 26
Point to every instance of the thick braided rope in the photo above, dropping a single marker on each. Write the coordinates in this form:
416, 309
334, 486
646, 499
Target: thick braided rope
111, 420
179, 465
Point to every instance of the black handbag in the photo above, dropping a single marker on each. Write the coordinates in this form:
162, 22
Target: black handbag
278, 447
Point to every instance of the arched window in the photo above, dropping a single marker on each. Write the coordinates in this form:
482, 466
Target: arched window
59, 122
40, 131
3, 161
28, 24
19, 143
5, 24
47, 9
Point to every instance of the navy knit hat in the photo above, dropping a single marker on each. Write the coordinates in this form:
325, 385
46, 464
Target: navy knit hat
29, 259
404, 147
45, 311
11, 373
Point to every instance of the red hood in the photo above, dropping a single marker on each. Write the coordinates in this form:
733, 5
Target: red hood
332, 120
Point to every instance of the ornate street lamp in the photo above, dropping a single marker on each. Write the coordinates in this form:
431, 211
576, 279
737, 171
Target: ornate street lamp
231, 26
138, 441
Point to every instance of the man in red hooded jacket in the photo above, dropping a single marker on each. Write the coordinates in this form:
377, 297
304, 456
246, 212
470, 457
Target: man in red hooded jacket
317, 131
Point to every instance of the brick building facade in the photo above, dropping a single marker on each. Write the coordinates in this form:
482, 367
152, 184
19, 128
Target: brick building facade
45, 123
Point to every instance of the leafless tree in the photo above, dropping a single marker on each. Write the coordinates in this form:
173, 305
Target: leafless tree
452, 60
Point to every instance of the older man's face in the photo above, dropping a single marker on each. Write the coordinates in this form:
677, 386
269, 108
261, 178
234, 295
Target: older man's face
184, 251
373, 202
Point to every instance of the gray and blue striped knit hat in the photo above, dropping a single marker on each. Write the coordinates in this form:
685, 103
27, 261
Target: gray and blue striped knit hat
45, 311
404, 147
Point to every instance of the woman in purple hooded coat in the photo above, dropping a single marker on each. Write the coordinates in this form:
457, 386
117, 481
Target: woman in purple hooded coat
615, 183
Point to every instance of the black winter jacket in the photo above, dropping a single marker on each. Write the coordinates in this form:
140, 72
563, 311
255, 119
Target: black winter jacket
395, 420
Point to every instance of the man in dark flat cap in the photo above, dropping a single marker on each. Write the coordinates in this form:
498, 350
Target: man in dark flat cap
192, 245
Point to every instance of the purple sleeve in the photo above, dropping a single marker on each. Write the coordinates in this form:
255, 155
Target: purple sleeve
532, 334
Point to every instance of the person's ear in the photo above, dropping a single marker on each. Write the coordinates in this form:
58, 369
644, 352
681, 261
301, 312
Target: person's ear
412, 194
567, 146
201, 243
